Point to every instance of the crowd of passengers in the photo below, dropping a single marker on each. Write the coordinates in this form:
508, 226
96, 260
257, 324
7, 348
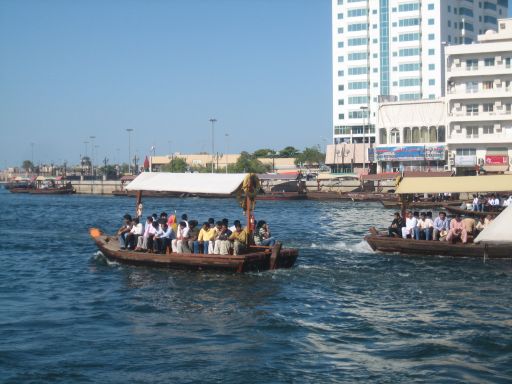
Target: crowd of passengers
490, 202
160, 233
420, 226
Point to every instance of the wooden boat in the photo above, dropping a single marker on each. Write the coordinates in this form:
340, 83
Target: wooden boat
327, 196
255, 259
493, 241
470, 213
382, 243
420, 204
243, 186
282, 196
45, 186
372, 196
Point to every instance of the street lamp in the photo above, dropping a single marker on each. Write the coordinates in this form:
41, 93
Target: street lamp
365, 114
92, 153
213, 121
152, 149
32, 157
227, 150
129, 130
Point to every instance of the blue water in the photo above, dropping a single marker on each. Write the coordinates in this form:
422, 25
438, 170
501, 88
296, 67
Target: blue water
343, 314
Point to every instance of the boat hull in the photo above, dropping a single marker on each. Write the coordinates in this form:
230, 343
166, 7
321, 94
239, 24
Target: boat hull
420, 204
467, 212
52, 191
436, 248
259, 259
280, 196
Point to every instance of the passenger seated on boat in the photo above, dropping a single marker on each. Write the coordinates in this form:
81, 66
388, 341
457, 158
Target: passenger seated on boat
136, 231
211, 222
395, 229
239, 237
164, 237
457, 230
262, 235
508, 201
476, 203
184, 218
424, 228
124, 230
233, 227
222, 243
163, 216
180, 244
205, 239
149, 231
193, 233
441, 226
410, 224
470, 226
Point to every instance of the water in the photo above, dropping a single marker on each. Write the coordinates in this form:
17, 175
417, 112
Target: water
343, 314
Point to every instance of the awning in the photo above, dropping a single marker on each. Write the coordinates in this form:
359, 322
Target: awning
40, 178
202, 183
494, 183
499, 231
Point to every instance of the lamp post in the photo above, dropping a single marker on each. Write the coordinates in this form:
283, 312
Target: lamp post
227, 150
213, 121
92, 154
152, 149
129, 130
365, 114
32, 153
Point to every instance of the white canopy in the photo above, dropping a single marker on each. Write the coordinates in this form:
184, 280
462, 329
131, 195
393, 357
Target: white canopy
499, 231
207, 183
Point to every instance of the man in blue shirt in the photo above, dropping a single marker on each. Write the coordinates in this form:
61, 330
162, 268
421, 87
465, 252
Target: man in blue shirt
441, 226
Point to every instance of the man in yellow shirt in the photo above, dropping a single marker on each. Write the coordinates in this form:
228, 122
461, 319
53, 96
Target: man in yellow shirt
205, 238
240, 239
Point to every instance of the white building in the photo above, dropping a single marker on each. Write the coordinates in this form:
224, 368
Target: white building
411, 136
392, 50
479, 99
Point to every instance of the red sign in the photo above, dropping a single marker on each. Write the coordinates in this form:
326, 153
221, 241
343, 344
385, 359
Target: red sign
496, 160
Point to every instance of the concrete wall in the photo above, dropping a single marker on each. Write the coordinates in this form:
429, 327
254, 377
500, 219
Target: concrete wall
97, 187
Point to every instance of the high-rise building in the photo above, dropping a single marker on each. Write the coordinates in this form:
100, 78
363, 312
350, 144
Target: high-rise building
392, 50
479, 102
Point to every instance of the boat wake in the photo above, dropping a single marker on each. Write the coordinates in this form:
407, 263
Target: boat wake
361, 247
100, 258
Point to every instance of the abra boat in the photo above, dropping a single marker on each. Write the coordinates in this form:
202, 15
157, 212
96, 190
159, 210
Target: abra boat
494, 241
380, 242
469, 213
420, 204
243, 186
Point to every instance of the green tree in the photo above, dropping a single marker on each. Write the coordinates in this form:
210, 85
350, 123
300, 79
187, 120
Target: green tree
248, 163
109, 170
310, 156
176, 165
289, 152
264, 152
27, 165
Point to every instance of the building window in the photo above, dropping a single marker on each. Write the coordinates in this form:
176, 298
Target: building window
488, 130
488, 107
471, 132
409, 52
409, 22
487, 85
431, 82
472, 109
415, 135
424, 135
409, 82
471, 87
472, 64
431, 7
341, 116
431, 36
383, 136
489, 62
433, 134
466, 152
409, 67
407, 135
394, 136
431, 67
431, 51
430, 21
407, 7
441, 137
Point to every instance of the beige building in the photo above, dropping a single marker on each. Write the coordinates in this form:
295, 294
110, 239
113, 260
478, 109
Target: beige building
479, 102
221, 161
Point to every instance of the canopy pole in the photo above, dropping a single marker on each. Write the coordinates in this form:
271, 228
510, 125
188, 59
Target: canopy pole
138, 205
248, 205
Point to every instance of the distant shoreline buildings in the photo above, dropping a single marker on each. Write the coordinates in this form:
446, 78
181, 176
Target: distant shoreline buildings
394, 95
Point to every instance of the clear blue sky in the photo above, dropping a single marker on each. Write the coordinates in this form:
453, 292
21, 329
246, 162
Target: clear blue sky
72, 69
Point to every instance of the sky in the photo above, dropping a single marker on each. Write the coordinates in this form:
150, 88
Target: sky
70, 70
74, 69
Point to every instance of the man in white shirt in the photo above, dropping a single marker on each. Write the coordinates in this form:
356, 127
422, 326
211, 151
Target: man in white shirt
508, 202
424, 226
182, 242
149, 231
410, 224
135, 233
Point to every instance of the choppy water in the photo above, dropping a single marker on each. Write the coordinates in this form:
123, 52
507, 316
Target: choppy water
343, 314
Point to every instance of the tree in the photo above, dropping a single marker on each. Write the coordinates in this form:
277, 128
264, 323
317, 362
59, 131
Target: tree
289, 152
109, 170
27, 166
264, 152
310, 156
176, 165
248, 163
